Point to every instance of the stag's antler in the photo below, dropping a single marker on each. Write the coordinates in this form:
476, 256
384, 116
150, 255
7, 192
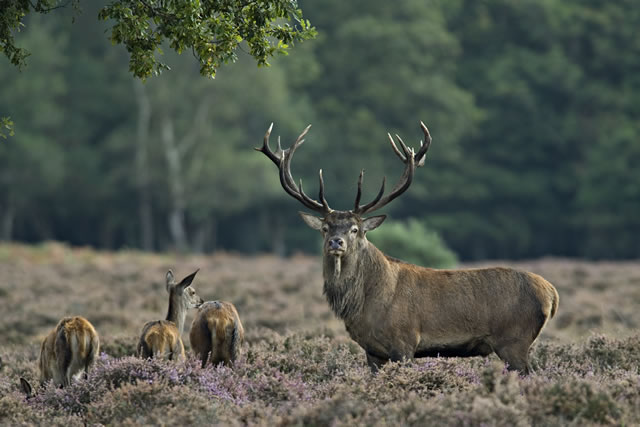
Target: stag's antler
282, 159
410, 159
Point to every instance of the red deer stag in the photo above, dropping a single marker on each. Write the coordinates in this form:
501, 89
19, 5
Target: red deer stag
68, 350
216, 333
396, 310
163, 338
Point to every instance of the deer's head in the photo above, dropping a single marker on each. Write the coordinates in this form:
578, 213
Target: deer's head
182, 294
344, 231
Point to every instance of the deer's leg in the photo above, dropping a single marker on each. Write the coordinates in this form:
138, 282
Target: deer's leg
63, 360
375, 362
203, 355
180, 351
516, 355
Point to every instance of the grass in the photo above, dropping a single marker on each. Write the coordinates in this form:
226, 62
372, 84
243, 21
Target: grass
298, 365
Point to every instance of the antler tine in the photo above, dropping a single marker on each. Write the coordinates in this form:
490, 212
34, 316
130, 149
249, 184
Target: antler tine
419, 157
308, 201
395, 149
299, 140
411, 161
265, 147
282, 159
399, 188
288, 153
321, 192
293, 190
368, 206
359, 193
407, 151
298, 192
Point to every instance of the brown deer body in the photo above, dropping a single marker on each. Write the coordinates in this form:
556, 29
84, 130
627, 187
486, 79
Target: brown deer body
396, 310
216, 333
70, 349
163, 338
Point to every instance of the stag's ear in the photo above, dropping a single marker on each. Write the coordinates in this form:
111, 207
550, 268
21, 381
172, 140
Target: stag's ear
170, 280
312, 221
372, 223
187, 280
26, 388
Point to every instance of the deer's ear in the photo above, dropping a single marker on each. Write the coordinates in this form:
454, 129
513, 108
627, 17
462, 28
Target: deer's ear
372, 223
170, 280
312, 221
187, 280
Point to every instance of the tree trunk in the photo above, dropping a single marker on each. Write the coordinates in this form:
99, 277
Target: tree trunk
6, 230
176, 186
145, 215
278, 245
204, 238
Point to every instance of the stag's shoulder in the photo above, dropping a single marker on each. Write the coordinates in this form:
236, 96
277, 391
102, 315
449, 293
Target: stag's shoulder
394, 260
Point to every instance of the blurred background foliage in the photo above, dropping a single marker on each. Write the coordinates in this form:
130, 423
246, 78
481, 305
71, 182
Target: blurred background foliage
533, 105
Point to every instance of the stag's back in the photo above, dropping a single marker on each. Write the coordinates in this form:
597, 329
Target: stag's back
216, 331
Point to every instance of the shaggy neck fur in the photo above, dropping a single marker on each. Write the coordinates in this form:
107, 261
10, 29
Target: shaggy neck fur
345, 279
177, 310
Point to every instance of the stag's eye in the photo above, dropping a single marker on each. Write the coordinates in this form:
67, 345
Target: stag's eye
325, 228
354, 230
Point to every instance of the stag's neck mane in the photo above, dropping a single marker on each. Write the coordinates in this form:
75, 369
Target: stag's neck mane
350, 278
177, 312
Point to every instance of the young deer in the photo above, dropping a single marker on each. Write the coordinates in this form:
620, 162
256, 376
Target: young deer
69, 349
396, 310
216, 331
162, 338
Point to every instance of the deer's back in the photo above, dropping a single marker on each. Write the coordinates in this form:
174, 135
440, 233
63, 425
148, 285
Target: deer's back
160, 338
74, 340
480, 301
217, 329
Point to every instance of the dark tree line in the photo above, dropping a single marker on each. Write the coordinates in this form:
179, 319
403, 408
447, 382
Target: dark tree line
533, 106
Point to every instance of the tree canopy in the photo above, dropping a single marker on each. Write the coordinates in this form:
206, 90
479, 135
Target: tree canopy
211, 30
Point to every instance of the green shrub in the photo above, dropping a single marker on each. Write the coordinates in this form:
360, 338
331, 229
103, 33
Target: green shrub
413, 242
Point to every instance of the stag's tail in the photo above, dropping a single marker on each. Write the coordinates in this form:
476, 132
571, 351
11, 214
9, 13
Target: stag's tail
555, 301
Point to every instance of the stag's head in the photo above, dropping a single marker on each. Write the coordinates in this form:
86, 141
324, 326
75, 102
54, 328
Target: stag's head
344, 231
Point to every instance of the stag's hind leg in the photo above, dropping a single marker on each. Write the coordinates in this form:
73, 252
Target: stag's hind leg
516, 355
375, 362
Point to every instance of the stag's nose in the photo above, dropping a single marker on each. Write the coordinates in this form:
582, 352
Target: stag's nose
337, 243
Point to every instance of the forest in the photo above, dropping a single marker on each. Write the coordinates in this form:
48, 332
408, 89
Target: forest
533, 107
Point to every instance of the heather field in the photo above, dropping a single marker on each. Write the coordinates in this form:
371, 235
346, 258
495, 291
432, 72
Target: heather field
298, 366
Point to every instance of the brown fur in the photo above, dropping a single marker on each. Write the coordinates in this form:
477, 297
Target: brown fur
396, 310
162, 338
216, 333
71, 347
